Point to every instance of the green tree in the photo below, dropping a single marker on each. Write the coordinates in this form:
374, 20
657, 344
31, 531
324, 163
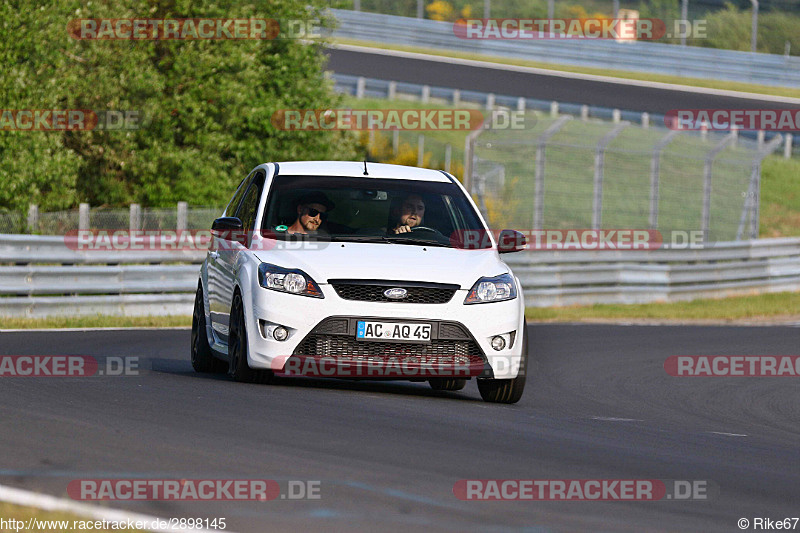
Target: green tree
207, 104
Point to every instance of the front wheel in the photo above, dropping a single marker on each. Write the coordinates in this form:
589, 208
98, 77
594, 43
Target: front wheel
238, 368
202, 358
507, 390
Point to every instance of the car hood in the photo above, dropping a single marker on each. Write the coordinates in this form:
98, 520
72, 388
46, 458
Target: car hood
396, 262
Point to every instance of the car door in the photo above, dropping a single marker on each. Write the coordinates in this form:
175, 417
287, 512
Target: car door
228, 254
218, 305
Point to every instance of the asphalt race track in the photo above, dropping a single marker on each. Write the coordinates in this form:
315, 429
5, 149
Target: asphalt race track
541, 86
599, 405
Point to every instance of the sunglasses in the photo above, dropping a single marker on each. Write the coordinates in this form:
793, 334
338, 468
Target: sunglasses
314, 212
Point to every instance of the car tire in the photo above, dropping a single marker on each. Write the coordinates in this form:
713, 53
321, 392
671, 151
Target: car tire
447, 383
507, 390
238, 368
203, 359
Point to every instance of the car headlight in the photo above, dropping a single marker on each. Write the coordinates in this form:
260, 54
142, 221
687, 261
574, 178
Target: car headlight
496, 289
293, 281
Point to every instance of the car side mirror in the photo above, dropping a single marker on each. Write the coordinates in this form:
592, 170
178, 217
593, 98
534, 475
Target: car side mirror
229, 229
510, 240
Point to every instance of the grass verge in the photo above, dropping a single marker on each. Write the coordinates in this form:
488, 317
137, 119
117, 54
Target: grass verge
97, 321
762, 307
623, 74
53, 521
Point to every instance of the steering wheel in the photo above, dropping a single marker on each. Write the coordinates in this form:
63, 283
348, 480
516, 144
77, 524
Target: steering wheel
425, 228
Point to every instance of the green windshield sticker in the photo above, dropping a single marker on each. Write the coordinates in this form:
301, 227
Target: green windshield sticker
281, 228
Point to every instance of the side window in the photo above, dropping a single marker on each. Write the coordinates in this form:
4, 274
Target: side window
247, 210
237, 197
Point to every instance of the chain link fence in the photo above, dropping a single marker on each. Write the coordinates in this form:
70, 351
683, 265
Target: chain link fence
570, 173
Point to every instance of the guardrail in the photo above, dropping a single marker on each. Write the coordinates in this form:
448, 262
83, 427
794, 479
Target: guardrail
31, 289
659, 58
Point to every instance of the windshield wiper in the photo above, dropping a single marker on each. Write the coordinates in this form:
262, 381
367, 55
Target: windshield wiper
359, 238
410, 240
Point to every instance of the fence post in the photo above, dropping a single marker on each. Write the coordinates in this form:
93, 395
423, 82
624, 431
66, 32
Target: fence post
599, 160
521, 104
448, 156
752, 200
361, 84
760, 139
490, 101
183, 218
645, 120
787, 147
392, 93
456, 98
584, 112
135, 217
469, 157
709, 160
83, 216
395, 142
655, 171
426, 94
616, 116
33, 218
538, 195
421, 150
554, 109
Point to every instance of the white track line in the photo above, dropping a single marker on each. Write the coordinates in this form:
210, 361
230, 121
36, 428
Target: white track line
571, 75
50, 503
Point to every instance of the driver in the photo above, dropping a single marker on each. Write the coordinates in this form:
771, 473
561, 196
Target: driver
409, 214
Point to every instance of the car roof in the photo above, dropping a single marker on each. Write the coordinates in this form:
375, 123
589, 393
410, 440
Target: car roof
356, 169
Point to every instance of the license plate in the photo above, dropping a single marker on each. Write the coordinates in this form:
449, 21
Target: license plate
393, 331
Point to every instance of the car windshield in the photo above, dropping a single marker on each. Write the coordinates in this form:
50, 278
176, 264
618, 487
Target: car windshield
369, 210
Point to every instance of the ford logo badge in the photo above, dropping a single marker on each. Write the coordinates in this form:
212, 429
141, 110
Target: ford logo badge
396, 293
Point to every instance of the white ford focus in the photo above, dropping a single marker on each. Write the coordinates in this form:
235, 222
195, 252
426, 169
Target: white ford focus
360, 271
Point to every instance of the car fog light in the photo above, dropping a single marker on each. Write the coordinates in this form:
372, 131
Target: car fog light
280, 333
498, 343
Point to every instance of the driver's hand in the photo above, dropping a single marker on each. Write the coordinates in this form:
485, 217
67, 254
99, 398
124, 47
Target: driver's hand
402, 229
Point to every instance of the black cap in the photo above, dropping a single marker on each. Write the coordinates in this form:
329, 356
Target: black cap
316, 197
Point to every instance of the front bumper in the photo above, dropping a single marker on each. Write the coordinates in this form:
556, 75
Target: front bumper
322, 327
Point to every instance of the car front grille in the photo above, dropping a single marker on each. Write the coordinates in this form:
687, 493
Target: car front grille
372, 291
336, 337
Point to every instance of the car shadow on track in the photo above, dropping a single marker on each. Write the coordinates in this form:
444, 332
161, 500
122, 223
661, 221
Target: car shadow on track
401, 387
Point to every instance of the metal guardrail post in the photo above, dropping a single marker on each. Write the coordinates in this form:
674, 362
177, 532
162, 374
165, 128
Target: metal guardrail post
421, 150
787, 148
655, 171
456, 98
599, 162
538, 195
83, 216
182, 219
392, 91
395, 142
709, 160
135, 217
448, 156
33, 218
426, 94
360, 87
